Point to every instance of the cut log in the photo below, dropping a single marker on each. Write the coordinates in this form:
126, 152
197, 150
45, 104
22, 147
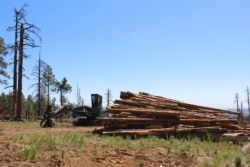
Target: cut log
235, 137
141, 131
147, 121
148, 104
146, 114
170, 113
202, 129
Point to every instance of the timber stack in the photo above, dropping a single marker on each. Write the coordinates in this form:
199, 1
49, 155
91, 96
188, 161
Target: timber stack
144, 114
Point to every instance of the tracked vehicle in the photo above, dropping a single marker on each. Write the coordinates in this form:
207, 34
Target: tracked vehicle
82, 115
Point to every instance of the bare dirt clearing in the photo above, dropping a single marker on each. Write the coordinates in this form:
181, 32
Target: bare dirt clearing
95, 150
92, 154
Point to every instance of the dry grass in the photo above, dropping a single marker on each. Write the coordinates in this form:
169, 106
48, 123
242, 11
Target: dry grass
65, 144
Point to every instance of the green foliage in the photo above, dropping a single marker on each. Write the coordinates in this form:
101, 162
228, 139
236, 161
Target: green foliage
219, 154
48, 80
47, 141
34, 142
28, 152
141, 162
205, 164
211, 153
63, 87
75, 140
5, 103
29, 106
17, 138
3, 63
3, 48
238, 161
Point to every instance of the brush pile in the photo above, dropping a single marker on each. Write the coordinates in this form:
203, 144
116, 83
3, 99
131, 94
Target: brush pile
144, 114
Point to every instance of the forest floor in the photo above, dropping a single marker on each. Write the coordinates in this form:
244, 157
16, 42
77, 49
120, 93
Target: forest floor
26, 144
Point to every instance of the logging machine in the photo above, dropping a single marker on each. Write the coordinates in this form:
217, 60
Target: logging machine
83, 115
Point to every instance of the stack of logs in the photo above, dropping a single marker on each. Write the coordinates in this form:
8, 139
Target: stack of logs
144, 114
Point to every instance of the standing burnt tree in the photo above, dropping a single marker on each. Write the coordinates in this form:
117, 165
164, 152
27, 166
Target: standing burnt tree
40, 91
109, 98
237, 104
80, 100
248, 101
18, 17
24, 33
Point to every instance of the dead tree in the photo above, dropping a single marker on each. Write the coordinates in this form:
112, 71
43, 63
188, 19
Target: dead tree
109, 97
20, 16
38, 70
237, 103
80, 100
248, 100
20, 76
23, 31
25, 40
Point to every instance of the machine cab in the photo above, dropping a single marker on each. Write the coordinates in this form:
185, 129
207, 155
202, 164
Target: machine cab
96, 101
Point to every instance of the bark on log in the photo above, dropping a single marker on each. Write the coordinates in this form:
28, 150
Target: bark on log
235, 137
146, 114
170, 113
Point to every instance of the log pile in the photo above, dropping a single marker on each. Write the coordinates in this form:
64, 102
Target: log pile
145, 114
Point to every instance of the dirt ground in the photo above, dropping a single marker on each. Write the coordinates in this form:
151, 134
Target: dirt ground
89, 156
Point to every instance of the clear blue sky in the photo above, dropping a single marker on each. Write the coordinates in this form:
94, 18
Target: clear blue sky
197, 51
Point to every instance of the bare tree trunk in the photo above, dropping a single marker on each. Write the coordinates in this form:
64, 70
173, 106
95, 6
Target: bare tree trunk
237, 103
48, 99
14, 100
109, 97
248, 100
80, 101
39, 86
20, 76
61, 98
241, 110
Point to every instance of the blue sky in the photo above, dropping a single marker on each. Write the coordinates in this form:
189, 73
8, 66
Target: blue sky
197, 51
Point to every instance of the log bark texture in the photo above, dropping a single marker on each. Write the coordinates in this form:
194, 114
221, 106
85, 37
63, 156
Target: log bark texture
146, 114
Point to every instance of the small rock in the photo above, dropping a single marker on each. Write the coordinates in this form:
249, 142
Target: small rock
246, 149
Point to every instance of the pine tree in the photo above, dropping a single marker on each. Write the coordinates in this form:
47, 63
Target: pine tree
3, 63
48, 81
63, 87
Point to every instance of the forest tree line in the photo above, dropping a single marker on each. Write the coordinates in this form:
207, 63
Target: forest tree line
15, 103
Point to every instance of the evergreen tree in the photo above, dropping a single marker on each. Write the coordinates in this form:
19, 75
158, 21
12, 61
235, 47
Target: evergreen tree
48, 81
29, 107
5, 103
3, 64
63, 88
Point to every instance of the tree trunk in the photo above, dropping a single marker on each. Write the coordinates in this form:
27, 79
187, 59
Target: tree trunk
61, 97
14, 100
48, 100
248, 101
20, 76
39, 86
